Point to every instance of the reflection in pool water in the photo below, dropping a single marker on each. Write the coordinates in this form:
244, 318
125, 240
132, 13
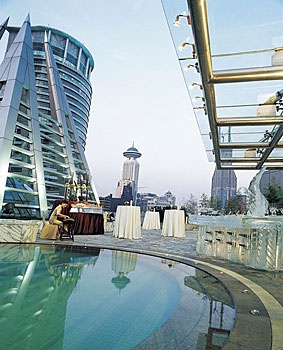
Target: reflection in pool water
76, 298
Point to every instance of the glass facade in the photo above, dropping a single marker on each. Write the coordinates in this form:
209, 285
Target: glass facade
45, 97
75, 64
223, 186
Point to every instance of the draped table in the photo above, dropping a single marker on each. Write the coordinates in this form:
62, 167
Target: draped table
174, 223
88, 221
151, 221
127, 222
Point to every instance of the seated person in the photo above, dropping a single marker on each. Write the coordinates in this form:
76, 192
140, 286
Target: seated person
57, 218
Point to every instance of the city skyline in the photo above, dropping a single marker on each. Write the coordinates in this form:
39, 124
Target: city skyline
138, 94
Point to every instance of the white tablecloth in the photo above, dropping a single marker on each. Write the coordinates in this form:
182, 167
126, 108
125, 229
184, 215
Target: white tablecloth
174, 223
127, 222
151, 221
86, 210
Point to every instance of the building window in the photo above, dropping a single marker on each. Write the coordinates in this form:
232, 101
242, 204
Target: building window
58, 41
37, 36
25, 95
38, 46
57, 51
24, 109
2, 87
72, 59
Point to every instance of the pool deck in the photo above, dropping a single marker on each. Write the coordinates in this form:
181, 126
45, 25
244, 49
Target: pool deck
251, 289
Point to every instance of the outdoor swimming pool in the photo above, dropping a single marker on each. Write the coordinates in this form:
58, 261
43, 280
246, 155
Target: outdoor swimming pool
60, 297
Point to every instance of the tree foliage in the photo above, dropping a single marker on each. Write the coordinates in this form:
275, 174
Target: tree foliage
274, 195
235, 205
215, 203
190, 205
204, 201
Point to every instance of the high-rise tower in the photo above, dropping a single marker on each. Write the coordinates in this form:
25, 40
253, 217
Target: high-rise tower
130, 173
224, 181
45, 98
224, 185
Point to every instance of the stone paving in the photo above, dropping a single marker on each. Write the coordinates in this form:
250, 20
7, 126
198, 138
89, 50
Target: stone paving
151, 241
250, 289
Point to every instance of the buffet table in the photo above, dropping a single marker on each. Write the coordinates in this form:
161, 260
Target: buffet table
88, 220
127, 222
151, 221
174, 223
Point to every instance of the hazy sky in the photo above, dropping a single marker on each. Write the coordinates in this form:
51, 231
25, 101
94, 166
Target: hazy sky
139, 94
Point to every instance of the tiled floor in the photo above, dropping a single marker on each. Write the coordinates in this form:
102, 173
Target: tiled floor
250, 289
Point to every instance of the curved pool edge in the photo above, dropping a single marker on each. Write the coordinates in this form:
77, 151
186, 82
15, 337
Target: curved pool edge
250, 331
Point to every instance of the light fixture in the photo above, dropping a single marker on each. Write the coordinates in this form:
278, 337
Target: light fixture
186, 42
198, 108
197, 98
177, 20
195, 84
196, 66
255, 312
182, 47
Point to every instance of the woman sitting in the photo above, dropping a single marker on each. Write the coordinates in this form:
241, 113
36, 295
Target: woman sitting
57, 218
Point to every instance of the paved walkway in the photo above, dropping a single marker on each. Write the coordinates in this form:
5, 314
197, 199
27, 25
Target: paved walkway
250, 289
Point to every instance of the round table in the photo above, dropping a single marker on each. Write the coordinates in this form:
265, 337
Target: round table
174, 223
127, 222
151, 221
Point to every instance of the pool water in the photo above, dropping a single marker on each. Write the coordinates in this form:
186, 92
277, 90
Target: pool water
55, 297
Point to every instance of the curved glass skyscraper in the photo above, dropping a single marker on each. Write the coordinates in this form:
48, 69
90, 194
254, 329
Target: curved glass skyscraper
74, 63
45, 97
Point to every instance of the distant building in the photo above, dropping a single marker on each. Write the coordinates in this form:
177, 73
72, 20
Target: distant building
105, 202
150, 201
224, 185
143, 199
130, 176
224, 182
126, 197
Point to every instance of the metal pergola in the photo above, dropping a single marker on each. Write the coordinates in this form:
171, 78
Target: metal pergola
236, 77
